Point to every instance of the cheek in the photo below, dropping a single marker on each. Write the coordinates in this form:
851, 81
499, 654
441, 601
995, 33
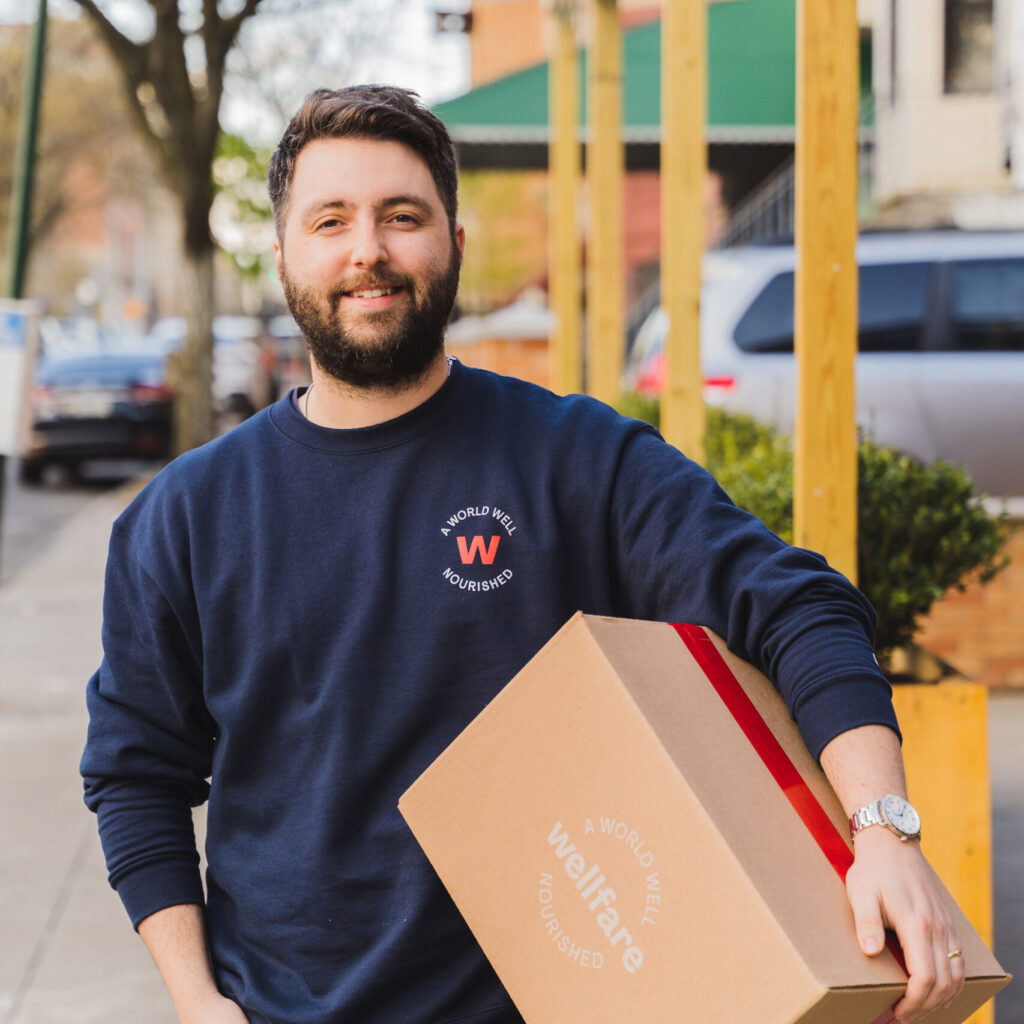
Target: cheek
313, 261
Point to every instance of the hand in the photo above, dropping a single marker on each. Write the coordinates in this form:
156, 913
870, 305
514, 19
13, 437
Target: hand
216, 1010
891, 885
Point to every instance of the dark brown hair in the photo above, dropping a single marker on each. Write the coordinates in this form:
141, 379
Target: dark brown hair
369, 112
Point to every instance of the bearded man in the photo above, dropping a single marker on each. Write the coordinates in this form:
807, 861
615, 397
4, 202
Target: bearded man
301, 615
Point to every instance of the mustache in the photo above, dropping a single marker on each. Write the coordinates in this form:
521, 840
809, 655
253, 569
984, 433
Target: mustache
367, 283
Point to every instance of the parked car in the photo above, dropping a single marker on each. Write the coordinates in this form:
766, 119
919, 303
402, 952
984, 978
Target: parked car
99, 405
940, 369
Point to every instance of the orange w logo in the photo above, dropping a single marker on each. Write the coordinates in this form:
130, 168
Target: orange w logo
468, 552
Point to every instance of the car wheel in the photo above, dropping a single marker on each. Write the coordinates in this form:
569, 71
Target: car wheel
30, 471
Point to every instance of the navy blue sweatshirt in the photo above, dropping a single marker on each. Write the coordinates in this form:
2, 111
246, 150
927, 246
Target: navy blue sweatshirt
298, 620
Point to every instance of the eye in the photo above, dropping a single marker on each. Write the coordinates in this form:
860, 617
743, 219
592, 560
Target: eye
405, 219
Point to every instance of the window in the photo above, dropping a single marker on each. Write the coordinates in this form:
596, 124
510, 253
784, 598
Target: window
969, 40
988, 305
892, 308
767, 325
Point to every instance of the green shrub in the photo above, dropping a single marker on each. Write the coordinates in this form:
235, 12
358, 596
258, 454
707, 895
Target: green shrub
921, 528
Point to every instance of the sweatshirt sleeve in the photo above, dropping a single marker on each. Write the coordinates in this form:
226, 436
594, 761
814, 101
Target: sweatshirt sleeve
688, 554
150, 740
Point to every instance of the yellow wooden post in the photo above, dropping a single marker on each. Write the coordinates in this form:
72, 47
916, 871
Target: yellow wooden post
945, 740
945, 750
605, 179
683, 168
566, 356
825, 484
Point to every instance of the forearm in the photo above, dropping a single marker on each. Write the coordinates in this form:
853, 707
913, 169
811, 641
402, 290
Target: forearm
864, 764
176, 939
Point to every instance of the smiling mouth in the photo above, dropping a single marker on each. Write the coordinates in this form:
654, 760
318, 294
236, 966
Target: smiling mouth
372, 293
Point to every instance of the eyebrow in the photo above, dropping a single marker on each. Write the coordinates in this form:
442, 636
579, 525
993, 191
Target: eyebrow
391, 201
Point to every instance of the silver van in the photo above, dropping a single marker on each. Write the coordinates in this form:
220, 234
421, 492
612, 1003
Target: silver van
940, 369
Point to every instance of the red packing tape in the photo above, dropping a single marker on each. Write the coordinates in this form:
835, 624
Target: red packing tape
777, 761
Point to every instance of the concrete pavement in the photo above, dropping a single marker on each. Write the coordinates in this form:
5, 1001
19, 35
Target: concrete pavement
67, 951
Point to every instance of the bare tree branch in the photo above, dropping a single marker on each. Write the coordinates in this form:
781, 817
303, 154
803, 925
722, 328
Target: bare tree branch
128, 54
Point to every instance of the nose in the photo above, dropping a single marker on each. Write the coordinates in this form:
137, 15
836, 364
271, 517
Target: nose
368, 248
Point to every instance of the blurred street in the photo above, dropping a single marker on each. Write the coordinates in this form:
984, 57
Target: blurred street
67, 952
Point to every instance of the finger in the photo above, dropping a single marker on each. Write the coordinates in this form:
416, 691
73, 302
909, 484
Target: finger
920, 956
958, 972
935, 979
867, 918
942, 990
912, 1005
949, 971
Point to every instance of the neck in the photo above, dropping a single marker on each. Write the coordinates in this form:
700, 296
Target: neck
338, 405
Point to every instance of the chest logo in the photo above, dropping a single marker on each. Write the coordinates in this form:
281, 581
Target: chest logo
478, 560
468, 552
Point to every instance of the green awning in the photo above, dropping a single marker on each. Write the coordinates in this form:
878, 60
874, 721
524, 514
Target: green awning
751, 86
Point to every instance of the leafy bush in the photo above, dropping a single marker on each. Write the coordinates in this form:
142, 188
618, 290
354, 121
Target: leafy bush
921, 528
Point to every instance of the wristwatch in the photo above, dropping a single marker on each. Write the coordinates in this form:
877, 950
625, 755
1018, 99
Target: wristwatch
892, 811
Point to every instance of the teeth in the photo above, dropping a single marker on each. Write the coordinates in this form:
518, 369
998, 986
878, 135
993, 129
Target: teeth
373, 293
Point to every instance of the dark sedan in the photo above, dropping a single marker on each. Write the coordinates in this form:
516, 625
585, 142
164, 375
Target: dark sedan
107, 405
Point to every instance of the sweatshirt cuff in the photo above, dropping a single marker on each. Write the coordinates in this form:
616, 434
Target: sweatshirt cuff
846, 704
158, 886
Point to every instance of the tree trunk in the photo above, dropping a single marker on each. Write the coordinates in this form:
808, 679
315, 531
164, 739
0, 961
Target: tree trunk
193, 370
193, 367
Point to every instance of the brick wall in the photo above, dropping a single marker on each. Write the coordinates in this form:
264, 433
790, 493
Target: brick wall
981, 631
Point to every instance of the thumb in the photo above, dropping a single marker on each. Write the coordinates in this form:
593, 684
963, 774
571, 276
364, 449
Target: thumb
867, 917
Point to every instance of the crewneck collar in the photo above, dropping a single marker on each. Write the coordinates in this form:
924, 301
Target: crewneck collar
287, 417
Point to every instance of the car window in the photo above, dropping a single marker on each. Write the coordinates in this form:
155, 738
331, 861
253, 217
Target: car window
892, 304
767, 325
892, 307
988, 305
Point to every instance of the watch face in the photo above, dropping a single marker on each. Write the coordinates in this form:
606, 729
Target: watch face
900, 814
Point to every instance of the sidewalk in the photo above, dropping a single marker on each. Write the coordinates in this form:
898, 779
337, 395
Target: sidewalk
67, 951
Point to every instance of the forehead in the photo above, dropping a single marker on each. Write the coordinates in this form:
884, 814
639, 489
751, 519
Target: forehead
359, 171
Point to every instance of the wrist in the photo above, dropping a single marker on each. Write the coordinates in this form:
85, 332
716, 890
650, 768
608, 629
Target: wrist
893, 813
195, 1004
880, 842
205, 1007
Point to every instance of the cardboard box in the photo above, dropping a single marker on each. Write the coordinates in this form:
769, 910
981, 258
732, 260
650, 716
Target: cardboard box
624, 855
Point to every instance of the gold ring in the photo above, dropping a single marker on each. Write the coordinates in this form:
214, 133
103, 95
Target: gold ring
955, 954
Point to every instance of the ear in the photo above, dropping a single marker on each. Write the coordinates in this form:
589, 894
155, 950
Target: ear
460, 240
278, 258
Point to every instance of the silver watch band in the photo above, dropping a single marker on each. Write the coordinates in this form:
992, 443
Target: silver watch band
867, 815
894, 812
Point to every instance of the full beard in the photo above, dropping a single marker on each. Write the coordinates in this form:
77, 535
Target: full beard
389, 350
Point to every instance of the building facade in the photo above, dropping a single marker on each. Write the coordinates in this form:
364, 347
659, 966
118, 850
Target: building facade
949, 111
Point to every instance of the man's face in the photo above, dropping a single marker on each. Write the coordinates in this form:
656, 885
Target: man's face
367, 260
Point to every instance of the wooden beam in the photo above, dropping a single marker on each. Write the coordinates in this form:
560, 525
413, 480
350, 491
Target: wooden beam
566, 350
605, 180
825, 485
683, 169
